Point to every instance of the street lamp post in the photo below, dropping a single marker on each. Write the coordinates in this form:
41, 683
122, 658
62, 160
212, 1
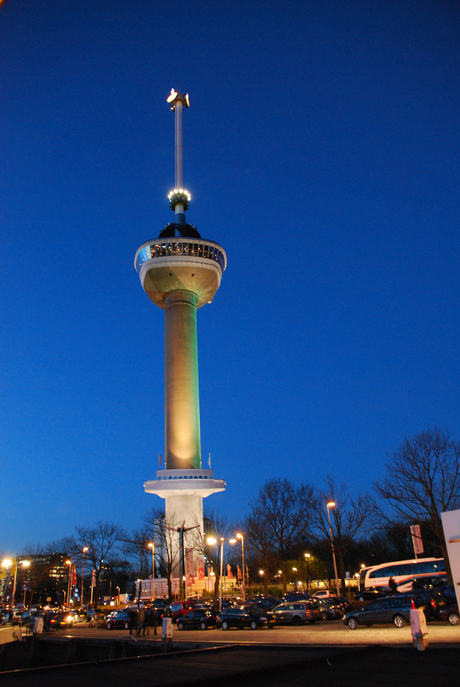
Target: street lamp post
151, 545
85, 549
25, 564
329, 505
93, 577
243, 586
222, 540
7, 563
212, 541
69, 578
307, 561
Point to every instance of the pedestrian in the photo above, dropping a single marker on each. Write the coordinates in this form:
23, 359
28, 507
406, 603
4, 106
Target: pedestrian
154, 620
132, 620
140, 621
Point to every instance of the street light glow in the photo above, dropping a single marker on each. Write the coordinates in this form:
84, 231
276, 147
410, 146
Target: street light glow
331, 504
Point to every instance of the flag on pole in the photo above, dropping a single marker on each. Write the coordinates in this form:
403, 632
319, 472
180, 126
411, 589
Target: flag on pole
74, 575
93, 578
239, 574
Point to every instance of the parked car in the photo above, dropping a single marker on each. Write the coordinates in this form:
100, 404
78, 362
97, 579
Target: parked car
295, 596
180, 608
450, 613
199, 618
56, 619
422, 583
343, 602
329, 608
244, 616
297, 613
69, 618
118, 619
323, 594
370, 593
391, 609
267, 603
439, 598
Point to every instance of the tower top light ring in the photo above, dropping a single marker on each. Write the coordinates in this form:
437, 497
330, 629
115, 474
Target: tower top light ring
175, 97
179, 196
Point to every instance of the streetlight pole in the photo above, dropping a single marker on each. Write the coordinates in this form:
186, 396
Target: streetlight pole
151, 545
69, 577
85, 549
212, 541
329, 505
93, 575
307, 561
221, 570
243, 586
25, 564
7, 563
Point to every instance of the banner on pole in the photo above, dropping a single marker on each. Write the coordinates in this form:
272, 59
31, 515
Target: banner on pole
417, 539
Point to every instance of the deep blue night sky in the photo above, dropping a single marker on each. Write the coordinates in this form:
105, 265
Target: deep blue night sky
322, 152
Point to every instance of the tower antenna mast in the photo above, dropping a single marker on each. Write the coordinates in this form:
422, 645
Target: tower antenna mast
178, 102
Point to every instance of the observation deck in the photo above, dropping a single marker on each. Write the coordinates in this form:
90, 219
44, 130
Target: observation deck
184, 483
180, 264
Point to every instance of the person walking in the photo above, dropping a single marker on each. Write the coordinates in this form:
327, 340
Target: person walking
132, 620
140, 621
393, 586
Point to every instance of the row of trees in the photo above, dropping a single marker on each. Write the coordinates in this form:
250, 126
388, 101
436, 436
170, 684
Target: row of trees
422, 481
285, 521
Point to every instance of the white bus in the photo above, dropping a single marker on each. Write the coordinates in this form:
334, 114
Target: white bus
400, 571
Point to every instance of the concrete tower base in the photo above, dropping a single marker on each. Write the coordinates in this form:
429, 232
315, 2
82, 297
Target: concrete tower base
183, 492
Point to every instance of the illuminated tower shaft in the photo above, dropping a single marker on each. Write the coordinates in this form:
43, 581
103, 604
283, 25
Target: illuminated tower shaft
182, 402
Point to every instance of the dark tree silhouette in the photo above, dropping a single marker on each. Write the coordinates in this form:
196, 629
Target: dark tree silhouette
423, 480
277, 522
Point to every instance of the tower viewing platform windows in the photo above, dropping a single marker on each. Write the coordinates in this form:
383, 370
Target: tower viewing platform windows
189, 249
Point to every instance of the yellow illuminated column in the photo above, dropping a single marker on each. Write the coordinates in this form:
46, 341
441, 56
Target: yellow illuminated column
182, 404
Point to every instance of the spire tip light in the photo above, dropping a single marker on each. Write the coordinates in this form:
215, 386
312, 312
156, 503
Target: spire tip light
175, 97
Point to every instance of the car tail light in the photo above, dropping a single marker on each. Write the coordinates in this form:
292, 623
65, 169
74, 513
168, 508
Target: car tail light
433, 603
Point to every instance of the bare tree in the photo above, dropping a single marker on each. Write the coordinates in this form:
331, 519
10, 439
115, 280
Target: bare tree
423, 480
103, 542
66, 545
277, 523
165, 534
135, 547
349, 516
